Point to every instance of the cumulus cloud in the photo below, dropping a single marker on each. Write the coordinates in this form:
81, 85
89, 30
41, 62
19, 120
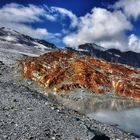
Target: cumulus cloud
50, 17
119, 42
134, 43
18, 13
19, 17
130, 7
27, 30
102, 27
57, 12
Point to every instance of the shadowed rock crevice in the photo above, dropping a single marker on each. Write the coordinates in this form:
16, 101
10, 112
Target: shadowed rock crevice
100, 137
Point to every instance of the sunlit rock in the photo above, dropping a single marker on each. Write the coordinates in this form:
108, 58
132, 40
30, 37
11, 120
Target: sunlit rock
64, 71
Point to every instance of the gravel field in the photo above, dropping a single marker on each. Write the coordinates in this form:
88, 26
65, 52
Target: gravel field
26, 114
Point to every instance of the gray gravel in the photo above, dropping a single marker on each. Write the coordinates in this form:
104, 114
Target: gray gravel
25, 114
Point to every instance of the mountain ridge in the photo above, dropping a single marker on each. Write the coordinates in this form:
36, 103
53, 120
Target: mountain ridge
11, 40
15, 46
58, 72
112, 55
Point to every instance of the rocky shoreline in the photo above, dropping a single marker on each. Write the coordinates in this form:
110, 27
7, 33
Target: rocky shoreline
26, 114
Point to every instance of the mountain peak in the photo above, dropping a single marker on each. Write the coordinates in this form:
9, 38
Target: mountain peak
90, 46
112, 55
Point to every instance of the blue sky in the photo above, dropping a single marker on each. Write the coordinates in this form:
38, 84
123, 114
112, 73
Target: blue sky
109, 23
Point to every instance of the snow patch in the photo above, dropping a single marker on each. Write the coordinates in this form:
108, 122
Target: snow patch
10, 38
40, 46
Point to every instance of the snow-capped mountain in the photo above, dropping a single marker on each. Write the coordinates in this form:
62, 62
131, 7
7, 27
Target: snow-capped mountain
111, 55
15, 45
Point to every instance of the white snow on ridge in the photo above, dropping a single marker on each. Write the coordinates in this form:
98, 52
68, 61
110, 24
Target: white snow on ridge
40, 46
117, 55
10, 38
19, 52
15, 46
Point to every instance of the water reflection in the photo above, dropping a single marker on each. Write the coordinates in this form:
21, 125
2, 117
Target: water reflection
121, 112
94, 103
127, 120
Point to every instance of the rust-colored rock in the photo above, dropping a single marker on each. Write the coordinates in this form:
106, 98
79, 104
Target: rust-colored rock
65, 70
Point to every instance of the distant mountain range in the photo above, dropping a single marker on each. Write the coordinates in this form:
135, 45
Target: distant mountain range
112, 55
13, 41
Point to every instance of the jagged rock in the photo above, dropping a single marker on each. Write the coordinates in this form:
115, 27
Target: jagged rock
112, 55
64, 70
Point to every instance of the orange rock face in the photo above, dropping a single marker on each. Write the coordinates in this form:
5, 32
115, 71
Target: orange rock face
64, 71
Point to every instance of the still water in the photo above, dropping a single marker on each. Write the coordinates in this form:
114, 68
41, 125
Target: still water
127, 120
121, 112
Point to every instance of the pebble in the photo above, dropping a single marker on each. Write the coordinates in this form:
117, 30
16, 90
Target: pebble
29, 83
16, 124
53, 138
30, 109
46, 103
42, 118
52, 108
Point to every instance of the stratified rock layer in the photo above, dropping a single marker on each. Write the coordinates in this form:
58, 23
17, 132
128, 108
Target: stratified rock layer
63, 71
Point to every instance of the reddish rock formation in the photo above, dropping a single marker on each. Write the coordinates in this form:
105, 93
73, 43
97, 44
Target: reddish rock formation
65, 70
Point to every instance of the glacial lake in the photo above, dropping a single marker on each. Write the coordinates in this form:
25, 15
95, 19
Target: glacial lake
121, 112
127, 120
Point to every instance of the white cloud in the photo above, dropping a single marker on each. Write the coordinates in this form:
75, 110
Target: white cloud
57, 14
50, 17
134, 43
65, 31
55, 11
130, 7
119, 42
22, 14
42, 31
27, 30
100, 26
18, 17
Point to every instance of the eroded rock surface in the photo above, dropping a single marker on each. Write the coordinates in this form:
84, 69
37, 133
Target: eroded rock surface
25, 114
62, 71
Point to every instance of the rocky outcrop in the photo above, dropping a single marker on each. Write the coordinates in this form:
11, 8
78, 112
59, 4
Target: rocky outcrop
112, 55
63, 70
